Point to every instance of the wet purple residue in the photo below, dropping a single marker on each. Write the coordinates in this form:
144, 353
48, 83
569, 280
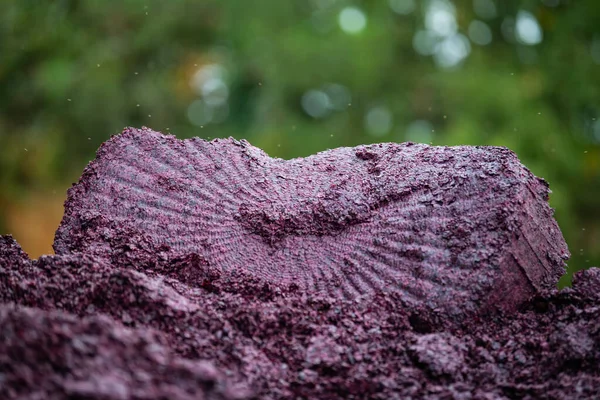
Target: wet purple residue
387, 271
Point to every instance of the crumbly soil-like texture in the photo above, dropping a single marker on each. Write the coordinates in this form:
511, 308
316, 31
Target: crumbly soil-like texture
76, 327
427, 287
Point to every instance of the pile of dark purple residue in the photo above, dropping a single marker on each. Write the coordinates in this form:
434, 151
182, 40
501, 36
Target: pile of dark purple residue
126, 310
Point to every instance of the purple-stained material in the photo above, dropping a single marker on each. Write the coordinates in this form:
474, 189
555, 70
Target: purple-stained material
62, 334
463, 230
53, 355
192, 269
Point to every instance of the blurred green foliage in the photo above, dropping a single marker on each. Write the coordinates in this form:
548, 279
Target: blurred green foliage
297, 77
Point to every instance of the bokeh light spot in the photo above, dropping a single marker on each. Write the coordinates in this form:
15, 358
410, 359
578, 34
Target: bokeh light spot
205, 74
352, 20
451, 51
215, 91
402, 7
378, 121
527, 28
316, 103
480, 33
440, 18
419, 131
339, 96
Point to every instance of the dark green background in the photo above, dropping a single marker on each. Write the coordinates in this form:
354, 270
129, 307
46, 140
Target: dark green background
74, 72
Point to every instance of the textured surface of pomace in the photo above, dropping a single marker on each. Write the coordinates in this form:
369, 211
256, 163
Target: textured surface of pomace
54, 355
76, 326
461, 229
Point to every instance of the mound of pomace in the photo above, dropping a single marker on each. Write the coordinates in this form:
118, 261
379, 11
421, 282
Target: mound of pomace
192, 269
85, 328
462, 230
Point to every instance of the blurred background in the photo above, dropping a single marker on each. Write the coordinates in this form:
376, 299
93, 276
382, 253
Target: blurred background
296, 77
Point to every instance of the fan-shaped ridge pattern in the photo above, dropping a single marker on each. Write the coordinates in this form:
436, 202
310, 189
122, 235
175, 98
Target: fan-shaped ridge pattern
429, 222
